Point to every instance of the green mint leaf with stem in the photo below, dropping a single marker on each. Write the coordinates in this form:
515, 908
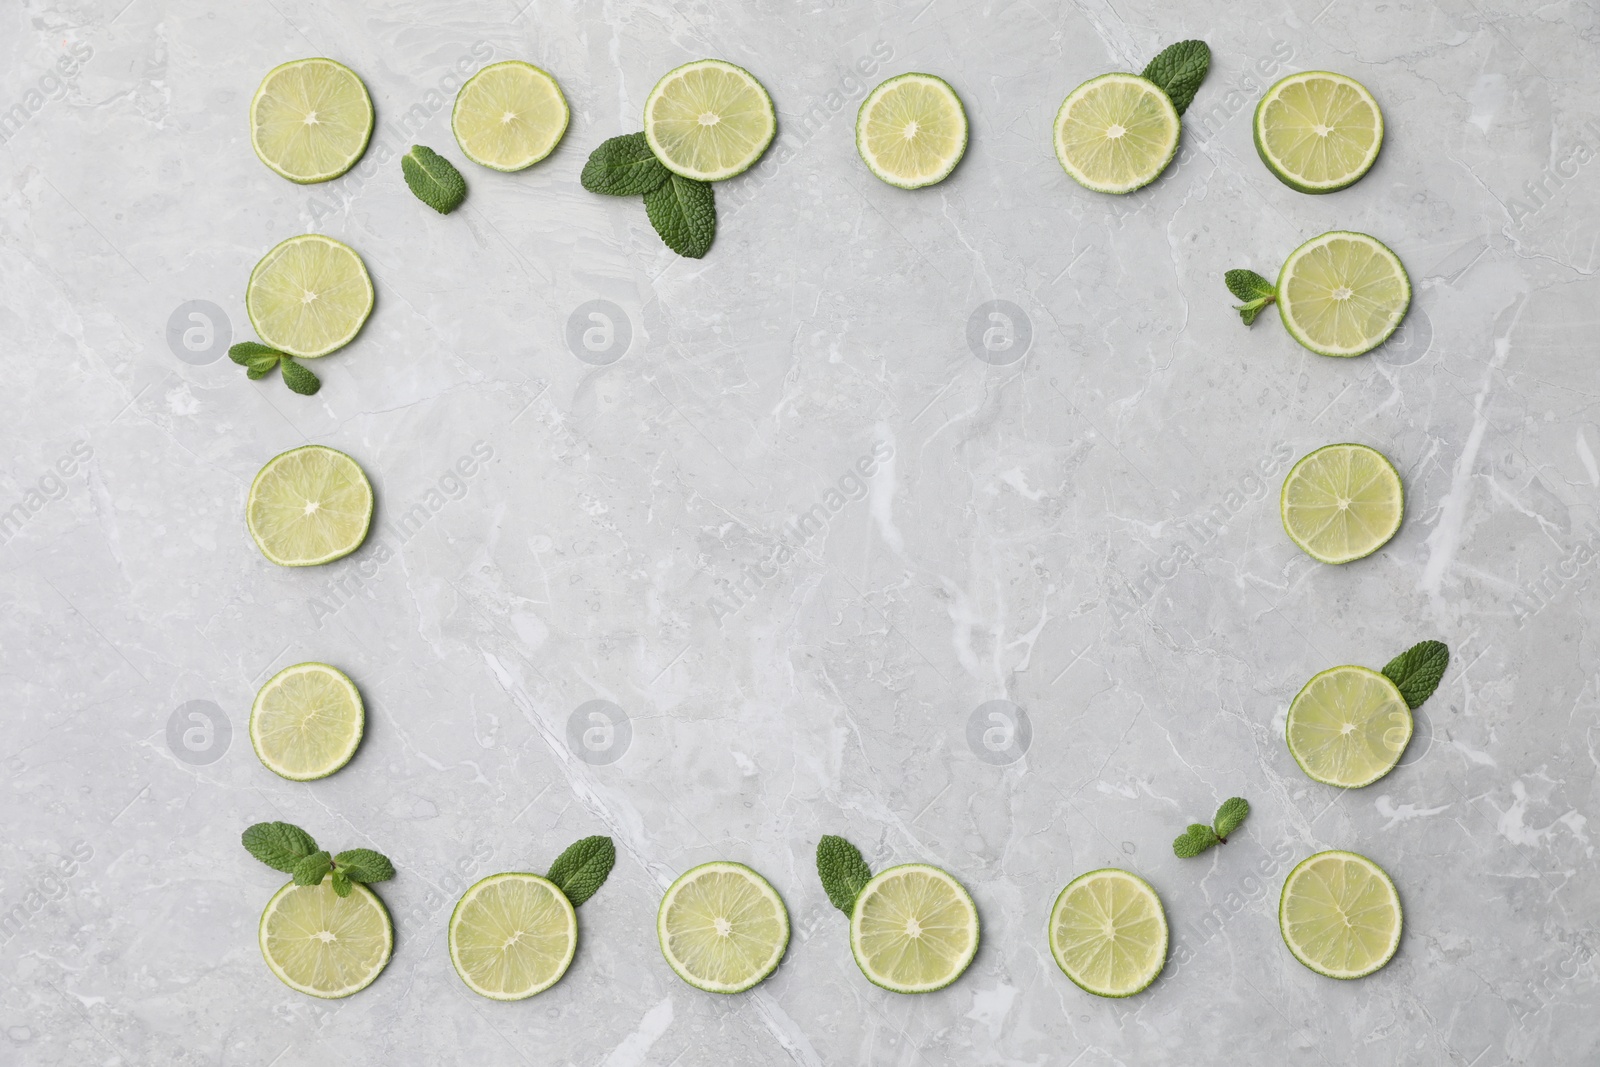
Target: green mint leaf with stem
1229, 816
1253, 289
364, 865
1179, 70
261, 368
280, 845
312, 869
256, 359
1193, 841
624, 166
341, 883
298, 378
1416, 672
583, 867
684, 213
842, 870
433, 178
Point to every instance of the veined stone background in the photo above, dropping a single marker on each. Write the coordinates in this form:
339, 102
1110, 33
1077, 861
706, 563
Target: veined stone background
943, 520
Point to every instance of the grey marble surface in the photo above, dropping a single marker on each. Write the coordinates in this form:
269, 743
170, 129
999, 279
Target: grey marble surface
1082, 525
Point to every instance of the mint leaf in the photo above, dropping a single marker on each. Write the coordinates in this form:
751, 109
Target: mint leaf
1179, 70
298, 378
1253, 289
842, 870
364, 865
341, 883
1229, 816
624, 166
1193, 841
311, 869
433, 178
583, 868
684, 213
280, 845
1416, 671
245, 352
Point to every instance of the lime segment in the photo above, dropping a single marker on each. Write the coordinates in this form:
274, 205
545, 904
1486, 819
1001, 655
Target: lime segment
309, 505
1343, 293
512, 935
509, 116
309, 296
310, 120
1108, 933
1340, 915
307, 721
1116, 133
722, 927
709, 120
913, 929
1348, 727
911, 131
1318, 132
320, 943
1341, 502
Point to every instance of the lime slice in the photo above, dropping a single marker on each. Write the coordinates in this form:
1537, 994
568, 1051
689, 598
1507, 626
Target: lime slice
310, 120
1341, 502
309, 505
1342, 294
1348, 727
1340, 915
513, 935
914, 929
509, 116
306, 721
1318, 132
911, 131
1116, 133
709, 120
1108, 933
722, 927
309, 296
320, 943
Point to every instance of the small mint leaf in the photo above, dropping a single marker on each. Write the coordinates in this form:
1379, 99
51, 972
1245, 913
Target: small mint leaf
684, 213
260, 366
364, 865
583, 867
341, 883
624, 166
1193, 841
843, 871
246, 352
298, 378
434, 180
1248, 285
1229, 816
1179, 70
280, 845
1416, 672
1251, 308
312, 869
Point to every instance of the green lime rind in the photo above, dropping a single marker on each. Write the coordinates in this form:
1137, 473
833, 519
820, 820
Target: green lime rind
337, 552
454, 928
1316, 965
727, 170
957, 966
1057, 951
1258, 133
947, 164
1371, 339
338, 759
1376, 542
355, 157
1156, 163
1298, 709
757, 882
358, 892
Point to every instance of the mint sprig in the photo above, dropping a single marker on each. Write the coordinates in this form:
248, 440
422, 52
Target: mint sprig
843, 871
1253, 289
1199, 837
624, 166
1417, 671
1179, 70
258, 361
682, 210
285, 847
583, 868
433, 178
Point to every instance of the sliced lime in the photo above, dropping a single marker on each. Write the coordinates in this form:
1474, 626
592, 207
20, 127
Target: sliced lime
709, 120
911, 131
1342, 502
512, 935
913, 929
722, 927
509, 116
1340, 915
1116, 133
1318, 132
320, 943
310, 120
1343, 293
307, 721
309, 505
1348, 727
1108, 933
309, 296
